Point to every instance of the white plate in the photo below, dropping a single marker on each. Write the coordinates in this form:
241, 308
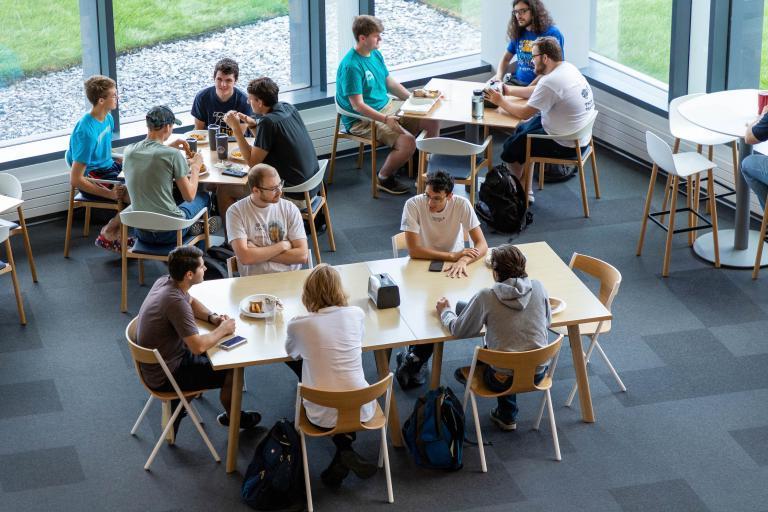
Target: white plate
202, 133
269, 304
415, 105
557, 305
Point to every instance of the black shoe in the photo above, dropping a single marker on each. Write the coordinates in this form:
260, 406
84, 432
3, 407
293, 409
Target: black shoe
248, 419
392, 186
459, 376
410, 374
358, 465
503, 424
182, 414
335, 473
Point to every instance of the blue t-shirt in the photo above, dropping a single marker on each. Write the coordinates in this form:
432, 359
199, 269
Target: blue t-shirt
522, 48
209, 109
91, 143
760, 129
361, 75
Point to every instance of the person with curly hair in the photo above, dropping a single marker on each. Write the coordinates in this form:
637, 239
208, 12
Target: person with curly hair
529, 21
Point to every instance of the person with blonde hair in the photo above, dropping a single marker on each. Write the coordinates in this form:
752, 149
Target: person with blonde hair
329, 341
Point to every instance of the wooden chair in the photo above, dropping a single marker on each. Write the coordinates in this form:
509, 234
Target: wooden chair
340, 132
11, 187
680, 166
760, 240
578, 159
456, 157
314, 205
5, 268
232, 270
143, 251
524, 365
610, 280
347, 405
152, 356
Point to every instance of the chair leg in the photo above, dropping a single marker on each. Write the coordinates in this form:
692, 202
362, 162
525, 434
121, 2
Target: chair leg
647, 209
87, 222
583, 184
610, 366
313, 232
387, 471
713, 210
168, 429
689, 204
479, 433
15, 279
142, 414
665, 202
70, 214
307, 485
540, 415
141, 272
760, 243
374, 171
595, 176
332, 164
196, 420
671, 227
696, 203
553, 426
124, 268
27, 244
329, 226
541, 175
360, 153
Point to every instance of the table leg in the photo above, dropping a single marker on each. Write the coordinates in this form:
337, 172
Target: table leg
437, 365
741, 224
234, 419
27, 245
580, 367
382, 365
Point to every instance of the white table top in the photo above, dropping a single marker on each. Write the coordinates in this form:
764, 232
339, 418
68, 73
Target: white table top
727, 112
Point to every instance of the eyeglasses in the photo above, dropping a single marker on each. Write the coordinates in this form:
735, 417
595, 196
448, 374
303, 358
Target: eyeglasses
435, 199
534, 55
273, 189
520, 12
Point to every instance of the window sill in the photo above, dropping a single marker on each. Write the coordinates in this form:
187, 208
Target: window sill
626, 87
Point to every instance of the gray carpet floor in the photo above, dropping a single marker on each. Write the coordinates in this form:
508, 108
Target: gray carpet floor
690, 433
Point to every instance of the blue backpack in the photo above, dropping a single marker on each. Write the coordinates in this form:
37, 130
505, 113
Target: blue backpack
434, 432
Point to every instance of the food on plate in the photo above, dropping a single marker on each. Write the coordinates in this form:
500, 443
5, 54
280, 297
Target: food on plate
198, 136
255, 306
237, 154
426, 93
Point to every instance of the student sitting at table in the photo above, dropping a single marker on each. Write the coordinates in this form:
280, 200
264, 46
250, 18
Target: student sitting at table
265, 231
166, 322
151, 170
212, 103
90, 155
329, 342
434, 223
516, 315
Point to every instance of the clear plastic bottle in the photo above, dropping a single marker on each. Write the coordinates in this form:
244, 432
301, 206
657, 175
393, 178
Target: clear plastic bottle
477, 104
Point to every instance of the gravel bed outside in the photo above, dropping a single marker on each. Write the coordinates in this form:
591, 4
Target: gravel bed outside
173, 72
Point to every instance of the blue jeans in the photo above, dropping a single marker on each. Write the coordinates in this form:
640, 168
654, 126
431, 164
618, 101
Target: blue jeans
507, 405
754, 168
188, 208
104, 174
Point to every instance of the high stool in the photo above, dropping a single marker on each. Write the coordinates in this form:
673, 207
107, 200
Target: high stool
677, 165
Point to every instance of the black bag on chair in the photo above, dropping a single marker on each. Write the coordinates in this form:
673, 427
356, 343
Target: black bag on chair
502, 202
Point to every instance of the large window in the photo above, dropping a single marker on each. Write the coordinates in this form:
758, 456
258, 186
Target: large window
635, 34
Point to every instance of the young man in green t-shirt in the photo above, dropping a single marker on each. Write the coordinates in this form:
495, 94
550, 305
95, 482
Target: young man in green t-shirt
362, 84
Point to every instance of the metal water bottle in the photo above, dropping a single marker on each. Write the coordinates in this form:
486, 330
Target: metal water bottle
477, 104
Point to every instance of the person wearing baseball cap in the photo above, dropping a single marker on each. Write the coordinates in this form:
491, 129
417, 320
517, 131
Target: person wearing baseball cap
152, 167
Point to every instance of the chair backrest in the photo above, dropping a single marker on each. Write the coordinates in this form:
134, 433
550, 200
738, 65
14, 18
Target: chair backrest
10, 185
398, 244
343, 112
586, 130
608, 275
311, 182
347, 403
156, 221
660, 152
524, 364
144, 355
450, 147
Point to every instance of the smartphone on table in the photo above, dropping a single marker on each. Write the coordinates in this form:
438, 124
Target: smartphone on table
233, 342
436, 266
234, 172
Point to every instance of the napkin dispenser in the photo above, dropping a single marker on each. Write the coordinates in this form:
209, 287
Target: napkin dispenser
383, 291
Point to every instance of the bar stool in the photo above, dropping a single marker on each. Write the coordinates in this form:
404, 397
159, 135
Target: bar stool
677, 165
760, 241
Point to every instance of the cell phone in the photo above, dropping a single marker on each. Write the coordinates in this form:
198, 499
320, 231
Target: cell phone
436, 266
232, 342
234, 172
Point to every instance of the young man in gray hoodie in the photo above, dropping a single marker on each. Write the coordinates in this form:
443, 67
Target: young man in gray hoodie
516, 314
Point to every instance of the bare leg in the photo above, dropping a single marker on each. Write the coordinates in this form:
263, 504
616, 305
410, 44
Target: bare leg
112, 230
404, 148
431, 126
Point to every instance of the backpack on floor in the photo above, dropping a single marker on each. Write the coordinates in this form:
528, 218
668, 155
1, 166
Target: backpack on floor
555, 173
434, 433
215, 260
273, 480
502, 202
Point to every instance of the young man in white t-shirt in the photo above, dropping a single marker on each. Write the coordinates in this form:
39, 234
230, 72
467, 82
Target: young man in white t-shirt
434, 224
266, 232
563, 98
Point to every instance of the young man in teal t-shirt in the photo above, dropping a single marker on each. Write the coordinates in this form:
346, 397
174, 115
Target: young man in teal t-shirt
362, 84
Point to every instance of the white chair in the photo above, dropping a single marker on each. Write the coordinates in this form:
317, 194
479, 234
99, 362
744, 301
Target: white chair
313, 207
141, 355
5, 268
142, 251
578, 159
399, 244
10, 186
232, 270
678, 165
456, 157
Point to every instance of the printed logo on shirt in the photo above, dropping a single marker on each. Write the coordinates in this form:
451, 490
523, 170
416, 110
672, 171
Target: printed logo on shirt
218, 118
105, 132
276, 231
368, 76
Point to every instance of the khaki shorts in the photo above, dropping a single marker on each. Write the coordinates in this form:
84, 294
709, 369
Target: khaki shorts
385, 134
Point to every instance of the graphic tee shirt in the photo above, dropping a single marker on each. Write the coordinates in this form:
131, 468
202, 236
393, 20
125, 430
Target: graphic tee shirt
330, 342
442, 231
565, 101
150, 169
208, 108
165, 318
522, 47
760, 129
263, 227
91, 143
361, 75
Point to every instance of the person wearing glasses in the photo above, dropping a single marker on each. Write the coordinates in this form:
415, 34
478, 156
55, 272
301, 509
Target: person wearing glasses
265, 231
529, 21
434, 224
563, 98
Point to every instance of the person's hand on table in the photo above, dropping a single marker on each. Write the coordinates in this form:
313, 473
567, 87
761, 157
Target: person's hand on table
442, 305
493, 96
226, 326
457, 269
468, 252
217, 319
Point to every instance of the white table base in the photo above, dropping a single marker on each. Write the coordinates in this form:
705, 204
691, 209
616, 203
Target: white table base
729, 256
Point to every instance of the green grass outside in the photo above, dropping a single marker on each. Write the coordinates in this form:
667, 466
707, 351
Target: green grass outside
468, 10
763, 54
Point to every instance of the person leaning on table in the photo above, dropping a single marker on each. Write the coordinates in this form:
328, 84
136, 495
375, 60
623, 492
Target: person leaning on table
516, 315
755, 167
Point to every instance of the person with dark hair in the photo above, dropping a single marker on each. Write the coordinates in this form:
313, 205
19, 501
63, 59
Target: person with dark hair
434, 224
328, 343
166, 322
516, 314
212, 103
362, 84
281, 141
563, 98
529, 21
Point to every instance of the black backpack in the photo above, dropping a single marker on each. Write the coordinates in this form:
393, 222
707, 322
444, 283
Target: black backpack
434, 433
273, 480
216, 262
502, 202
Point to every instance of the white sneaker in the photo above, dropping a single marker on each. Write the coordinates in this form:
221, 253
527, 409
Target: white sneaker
531, 198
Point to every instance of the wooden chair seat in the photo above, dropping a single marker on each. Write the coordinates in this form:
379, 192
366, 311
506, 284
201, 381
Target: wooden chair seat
377, 422
587, 329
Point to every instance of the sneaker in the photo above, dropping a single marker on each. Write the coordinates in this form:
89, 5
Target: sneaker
531, 198
358, 465
335, 473
406, 376
248, 419
392, 186
460, 377
505, 425
214, 223
112, 245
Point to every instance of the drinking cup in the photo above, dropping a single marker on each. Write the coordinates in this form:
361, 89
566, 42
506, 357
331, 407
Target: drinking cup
213, 131
192, 144
222, 146
762, 101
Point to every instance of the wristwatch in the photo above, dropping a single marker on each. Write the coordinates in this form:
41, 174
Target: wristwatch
211, 315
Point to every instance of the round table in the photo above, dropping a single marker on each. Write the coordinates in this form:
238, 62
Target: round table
729, 112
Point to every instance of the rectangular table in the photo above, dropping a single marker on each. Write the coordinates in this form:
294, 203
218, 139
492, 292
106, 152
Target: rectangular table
414, 322
7, 203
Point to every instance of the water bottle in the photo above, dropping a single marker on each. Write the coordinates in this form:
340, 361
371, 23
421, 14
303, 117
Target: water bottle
477, 104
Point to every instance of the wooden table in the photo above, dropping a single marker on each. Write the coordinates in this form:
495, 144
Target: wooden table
8, 203
414, 322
